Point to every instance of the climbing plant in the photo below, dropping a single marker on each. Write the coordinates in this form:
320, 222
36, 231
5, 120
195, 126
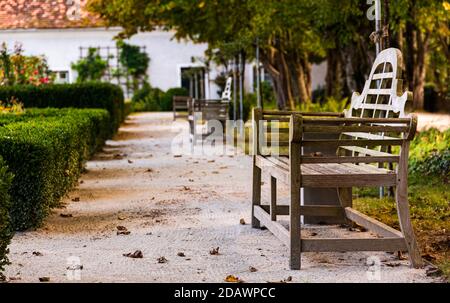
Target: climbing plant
134, 63
90, 68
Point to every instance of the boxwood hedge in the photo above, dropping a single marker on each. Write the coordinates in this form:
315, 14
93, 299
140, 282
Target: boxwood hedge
5, 222
81, 95
45, 149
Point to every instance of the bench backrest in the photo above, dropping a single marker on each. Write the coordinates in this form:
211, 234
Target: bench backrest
226, 95
383, 95
180, 102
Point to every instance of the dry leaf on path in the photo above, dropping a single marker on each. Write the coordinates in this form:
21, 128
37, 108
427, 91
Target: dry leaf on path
162, 260
181, 254
66, 215
214, 251
136, 255
252, 269
44, 279
233, 279
242, 222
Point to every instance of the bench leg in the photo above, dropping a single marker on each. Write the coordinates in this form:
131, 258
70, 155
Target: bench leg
273, 198
406, 226
346, 200
401, 198
295, 229
256, 193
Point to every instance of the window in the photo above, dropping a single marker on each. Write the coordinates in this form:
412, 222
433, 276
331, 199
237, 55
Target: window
61, 77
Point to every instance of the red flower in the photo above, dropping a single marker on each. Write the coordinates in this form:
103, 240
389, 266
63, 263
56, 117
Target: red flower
44, 80
35, 72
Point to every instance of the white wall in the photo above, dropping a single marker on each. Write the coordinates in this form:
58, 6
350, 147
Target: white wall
61, 47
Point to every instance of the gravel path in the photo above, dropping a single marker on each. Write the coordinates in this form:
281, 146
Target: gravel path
179, 208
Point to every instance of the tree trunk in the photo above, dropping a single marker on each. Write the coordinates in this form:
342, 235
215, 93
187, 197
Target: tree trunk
419, 68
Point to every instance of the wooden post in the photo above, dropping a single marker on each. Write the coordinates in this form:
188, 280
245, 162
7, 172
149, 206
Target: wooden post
295, 138
256, 187
273, 198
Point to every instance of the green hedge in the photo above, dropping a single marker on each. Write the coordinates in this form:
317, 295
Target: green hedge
5, 222
45, 149
82, 95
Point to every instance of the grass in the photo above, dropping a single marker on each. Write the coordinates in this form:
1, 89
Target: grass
429, 199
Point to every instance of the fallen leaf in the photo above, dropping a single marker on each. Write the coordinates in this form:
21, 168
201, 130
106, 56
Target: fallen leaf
76, 199
162, 260
181, 254
121, 218
242, 221
122, 228
130, 162
252, 269
37, 254
177, 156
214, 251
232, 279
288, 279
136, 255
215, 172
149, 170
211, 161
191, 180
15, 278
66, 215
186, 188
313, 234
392, 264
44, 279
118, 156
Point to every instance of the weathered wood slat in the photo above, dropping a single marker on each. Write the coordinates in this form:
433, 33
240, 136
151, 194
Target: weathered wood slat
355, 128
372, 224
379, 91
361, 143
383, 76
276, 228
387, 121
366, 151
374, 244
369, 136
311, 114
311, 159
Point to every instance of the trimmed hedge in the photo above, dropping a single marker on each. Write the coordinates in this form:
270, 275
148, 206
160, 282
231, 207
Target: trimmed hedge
46, 149
82, 95
5, 222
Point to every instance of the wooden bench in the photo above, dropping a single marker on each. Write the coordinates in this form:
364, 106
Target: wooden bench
368, 134
180, 107
213, 112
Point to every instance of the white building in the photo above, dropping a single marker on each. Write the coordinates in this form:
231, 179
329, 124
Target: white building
58, 29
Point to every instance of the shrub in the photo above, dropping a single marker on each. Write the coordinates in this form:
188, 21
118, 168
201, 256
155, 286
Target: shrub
330, 105
430, 153
147, 99
46, 150
166, 101
5, 222
85, 95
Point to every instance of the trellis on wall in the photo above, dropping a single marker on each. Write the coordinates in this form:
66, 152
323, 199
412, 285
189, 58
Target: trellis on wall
115, 72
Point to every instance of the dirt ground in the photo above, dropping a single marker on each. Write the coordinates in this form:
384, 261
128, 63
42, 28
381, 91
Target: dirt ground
176, 208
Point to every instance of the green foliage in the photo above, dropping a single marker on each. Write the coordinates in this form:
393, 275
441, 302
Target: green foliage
135, 61
330, 105
6, 231
430, 213
430, 153
154, 99
15, 68
45, 149
166, 101
90, 68
83, 95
